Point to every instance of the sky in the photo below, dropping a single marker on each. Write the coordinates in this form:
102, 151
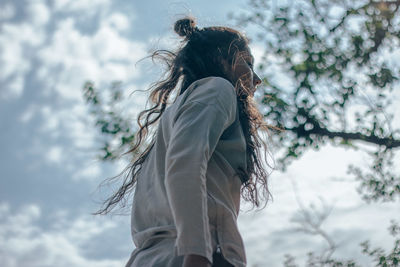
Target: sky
49, 170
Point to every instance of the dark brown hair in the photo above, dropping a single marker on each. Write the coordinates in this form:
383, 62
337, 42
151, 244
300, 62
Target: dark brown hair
200, 55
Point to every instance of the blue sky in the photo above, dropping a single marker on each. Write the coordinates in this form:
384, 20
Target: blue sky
49, 171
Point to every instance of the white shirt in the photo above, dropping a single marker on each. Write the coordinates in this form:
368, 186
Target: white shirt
187, 196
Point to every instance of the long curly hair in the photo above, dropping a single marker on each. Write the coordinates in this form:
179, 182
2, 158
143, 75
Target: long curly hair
200, 55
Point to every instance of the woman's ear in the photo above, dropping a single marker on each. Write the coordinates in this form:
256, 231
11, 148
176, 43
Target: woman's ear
227, 69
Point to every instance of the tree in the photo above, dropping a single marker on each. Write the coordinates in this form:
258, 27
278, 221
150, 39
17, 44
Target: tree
310, 220
116, 129
336, 58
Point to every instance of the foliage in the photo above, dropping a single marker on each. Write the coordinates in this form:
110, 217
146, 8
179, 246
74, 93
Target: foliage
335, 81
330, 78
381, 183
377, 255
309, 220
116, 129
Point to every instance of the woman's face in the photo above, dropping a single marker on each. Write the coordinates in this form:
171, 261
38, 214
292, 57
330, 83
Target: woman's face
242, 72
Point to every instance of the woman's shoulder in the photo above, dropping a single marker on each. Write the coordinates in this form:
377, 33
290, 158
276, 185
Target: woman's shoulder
214, 83
211, 89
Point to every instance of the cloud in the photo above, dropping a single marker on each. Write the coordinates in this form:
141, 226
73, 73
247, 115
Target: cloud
83, 5
39, 13
102, 57
12, 58
28, 113
7, 11
70, 58
117, 21
90, 171
54, 154
63, 243
61, 58
18, 42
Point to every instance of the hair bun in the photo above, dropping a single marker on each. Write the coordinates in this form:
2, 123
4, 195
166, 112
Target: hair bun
185, 27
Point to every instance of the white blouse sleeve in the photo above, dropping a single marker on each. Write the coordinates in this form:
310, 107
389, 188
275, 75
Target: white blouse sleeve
197, 129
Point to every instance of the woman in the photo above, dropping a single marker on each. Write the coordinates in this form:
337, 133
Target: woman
203, 156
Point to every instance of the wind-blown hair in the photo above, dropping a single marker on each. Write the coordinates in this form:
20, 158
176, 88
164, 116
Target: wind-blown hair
200, 55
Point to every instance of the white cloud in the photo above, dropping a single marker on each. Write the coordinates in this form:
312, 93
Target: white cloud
28, 113
12, 57
15, 87
65, 63
24, 243
88, 6
71, 57
68, 61
7, 11
72, 123
109, 45
103, 57
91, 171
118, 21
15, 42
54, 154
14, 66
38, 12
22, 34
51, 122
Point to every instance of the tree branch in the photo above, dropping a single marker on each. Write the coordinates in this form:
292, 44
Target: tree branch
388, 142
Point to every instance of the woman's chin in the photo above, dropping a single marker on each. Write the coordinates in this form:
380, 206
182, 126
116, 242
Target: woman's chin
253, 90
